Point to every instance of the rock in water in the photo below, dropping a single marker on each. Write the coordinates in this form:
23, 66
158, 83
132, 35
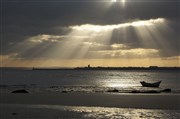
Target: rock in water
14, 113
166, 90
20, 91
64, 91
114, 90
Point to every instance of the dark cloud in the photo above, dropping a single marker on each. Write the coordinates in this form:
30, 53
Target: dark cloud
164, 38
23, 19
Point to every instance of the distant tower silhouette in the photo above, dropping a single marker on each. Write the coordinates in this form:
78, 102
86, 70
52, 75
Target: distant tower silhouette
89, 66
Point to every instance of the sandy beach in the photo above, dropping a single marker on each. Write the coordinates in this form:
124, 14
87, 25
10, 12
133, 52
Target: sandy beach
80, 105
144, 101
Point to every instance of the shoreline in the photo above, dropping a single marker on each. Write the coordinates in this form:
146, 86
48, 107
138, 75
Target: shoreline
76, 105
25, 111
139, 101
150, 68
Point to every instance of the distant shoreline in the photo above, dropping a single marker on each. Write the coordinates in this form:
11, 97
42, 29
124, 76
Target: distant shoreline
128, 68
92, 68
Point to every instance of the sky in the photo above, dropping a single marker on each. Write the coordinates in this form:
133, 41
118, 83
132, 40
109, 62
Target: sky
73, 33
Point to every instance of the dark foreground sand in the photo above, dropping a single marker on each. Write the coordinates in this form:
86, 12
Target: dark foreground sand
144, 101
89, 105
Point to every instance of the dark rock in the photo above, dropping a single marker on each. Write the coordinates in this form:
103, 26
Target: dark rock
14, 113
63, 91
20, 91
135, 91
115, 90
152, 91
166, 90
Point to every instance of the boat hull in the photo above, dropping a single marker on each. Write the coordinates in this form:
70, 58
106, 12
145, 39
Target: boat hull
145, 84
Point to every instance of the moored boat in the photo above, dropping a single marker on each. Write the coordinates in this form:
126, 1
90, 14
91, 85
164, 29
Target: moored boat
145, 84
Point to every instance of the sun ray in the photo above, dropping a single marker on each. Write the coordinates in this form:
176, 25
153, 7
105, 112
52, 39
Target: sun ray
88, 41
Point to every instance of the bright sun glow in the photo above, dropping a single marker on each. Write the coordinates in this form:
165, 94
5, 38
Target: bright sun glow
123, 0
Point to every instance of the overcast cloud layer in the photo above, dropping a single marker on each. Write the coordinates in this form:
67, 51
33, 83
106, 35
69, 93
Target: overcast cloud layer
41, 26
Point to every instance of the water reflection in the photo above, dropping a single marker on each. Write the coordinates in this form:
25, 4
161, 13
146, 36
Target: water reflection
124, 113
81, 112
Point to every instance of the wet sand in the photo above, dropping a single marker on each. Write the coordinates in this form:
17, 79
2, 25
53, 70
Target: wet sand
140, 101
88, 105
25, 111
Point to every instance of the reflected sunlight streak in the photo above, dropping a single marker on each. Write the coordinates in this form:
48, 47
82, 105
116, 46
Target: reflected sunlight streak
113, 0
123, 1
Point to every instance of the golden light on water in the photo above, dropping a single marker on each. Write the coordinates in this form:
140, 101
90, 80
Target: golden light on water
118, 1
113, 0
123, 1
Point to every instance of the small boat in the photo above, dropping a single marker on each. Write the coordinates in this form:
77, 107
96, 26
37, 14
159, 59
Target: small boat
145, 84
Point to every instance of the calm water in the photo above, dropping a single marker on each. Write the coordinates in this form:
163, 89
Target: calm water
86, 80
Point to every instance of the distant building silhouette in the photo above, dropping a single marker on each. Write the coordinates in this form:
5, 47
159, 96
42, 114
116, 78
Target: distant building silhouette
153, 67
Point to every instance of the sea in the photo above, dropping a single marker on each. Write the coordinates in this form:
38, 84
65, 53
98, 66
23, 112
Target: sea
96, 81
87, 81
